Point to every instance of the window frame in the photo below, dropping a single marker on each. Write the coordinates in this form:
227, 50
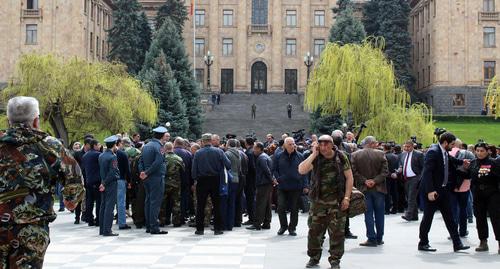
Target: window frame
31, 35
318, 48
228, 17
199, 46
486, 70
486, 5
199, 18
291, 47
227, 47
487, 36
289, 18
319, 19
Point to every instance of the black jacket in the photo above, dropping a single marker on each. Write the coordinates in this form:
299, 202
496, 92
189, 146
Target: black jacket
433, 173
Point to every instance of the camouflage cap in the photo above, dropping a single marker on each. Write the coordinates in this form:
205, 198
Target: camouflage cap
54, 143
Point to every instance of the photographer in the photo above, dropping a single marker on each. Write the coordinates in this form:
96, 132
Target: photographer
332, 183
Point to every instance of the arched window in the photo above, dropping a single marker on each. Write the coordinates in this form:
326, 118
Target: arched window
259, 12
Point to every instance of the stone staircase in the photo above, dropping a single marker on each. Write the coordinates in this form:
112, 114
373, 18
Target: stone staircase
233, 114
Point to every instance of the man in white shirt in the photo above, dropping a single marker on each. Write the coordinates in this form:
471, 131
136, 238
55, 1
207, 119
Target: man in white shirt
411, 164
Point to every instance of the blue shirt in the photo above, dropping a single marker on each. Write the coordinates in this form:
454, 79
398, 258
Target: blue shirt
90, 164
108, 167
286, 171
153, 160
209, 162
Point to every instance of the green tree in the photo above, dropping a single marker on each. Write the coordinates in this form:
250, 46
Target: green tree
492, 101
342, 5
145, 36
78, 98
127, 39
161, 83
370, 17
169, 41
176, 11
347, 28
358, 81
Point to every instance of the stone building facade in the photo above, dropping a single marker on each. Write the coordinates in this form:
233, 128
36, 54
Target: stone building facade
454, 52
61, 27
258, 45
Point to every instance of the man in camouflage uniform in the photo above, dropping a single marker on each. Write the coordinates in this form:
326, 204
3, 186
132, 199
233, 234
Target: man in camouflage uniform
31, 163
136, 194
171, 205
332, 183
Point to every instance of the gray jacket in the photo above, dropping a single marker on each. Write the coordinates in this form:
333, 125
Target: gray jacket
234, 156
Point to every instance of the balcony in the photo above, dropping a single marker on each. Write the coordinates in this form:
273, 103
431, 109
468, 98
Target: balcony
489, 16
259, 29
31, 13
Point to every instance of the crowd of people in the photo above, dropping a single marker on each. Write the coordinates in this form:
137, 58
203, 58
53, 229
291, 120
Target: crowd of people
166, 181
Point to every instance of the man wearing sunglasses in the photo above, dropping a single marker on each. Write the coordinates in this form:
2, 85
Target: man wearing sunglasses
331, 182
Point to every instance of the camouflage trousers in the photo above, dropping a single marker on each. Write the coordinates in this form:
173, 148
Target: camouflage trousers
171, 206
23, 246
324, 218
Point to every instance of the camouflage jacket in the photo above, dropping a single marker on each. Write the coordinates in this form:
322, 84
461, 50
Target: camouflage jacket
31, 163
175, 166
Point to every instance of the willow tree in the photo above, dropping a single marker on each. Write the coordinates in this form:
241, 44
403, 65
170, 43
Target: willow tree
358, 81
492, 101
77, 97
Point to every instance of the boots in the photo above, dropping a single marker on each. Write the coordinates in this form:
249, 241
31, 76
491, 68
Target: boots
483, 246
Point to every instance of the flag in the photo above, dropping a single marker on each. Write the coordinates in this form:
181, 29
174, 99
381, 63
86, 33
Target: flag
191, 10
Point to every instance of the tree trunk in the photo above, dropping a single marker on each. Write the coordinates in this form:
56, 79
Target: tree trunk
56, 121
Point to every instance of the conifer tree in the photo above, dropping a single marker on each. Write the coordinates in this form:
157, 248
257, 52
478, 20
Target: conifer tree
176, 11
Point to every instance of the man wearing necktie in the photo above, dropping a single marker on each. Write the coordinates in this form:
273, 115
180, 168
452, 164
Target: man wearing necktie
435, 179
411, 163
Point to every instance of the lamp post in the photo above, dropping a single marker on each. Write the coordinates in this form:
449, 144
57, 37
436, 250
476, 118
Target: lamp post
209, 60
308, 61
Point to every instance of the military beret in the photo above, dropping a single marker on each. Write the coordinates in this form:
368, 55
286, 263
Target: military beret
160, 130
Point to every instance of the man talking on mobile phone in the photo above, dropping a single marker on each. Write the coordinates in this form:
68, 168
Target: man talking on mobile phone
436, 185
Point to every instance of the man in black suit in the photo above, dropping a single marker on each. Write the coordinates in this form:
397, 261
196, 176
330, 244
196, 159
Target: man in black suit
436, 187
391, 198
411, 164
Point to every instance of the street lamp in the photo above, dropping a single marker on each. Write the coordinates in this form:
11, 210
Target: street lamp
308, 61
209, 60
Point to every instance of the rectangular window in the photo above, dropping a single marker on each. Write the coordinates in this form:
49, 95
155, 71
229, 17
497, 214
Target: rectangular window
291, 47
434, 8
319, 46
85, 3
417, 55
103, 50
423, 78
489, 37
319, 18
291, 18
227, 17
429, 74
428, 12
199, 17
458, 100
200, 77
428, 44
227, 47
97, 49
199, 47
92, 10
489, 5
31, 34
98, 15
91, 42
32, 4
423, 47
489, 70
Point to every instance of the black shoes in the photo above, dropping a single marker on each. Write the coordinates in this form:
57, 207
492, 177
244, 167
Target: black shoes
460, 247
254, 227
369, 243
199, 232
218, 232
349, 235
125, 227
159, 232
281, 231
266, 226
246, 223
409, 219
381, 242
110, 234
292, 233
312, 263
426, 247
77, 221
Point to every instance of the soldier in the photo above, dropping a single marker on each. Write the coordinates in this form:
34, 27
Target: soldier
136, 193
110, 174
172, 197
332, 182
31, 164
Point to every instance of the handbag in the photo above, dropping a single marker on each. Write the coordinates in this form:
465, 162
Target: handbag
357, 204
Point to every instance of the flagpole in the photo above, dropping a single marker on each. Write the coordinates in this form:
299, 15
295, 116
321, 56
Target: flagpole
193, 12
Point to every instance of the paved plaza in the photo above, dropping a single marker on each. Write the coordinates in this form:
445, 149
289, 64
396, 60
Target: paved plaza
79, 246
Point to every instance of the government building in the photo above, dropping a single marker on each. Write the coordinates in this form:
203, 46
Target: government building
454, 52
70, 28
258, 46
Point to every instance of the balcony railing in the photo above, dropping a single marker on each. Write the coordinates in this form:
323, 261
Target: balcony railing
32, 13
259, 29
489, 16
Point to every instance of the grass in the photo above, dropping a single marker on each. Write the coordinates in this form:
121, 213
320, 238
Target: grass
470, 131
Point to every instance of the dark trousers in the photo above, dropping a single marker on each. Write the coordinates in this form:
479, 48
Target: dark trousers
154, 188
487, 202
250, 197
228, 207
238, 205
263, 213
108, 203
391, 198
443, 204
92, 195
78, 211
206, 186
138, 205
459, 209
288, 199
289, 114
411, 189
